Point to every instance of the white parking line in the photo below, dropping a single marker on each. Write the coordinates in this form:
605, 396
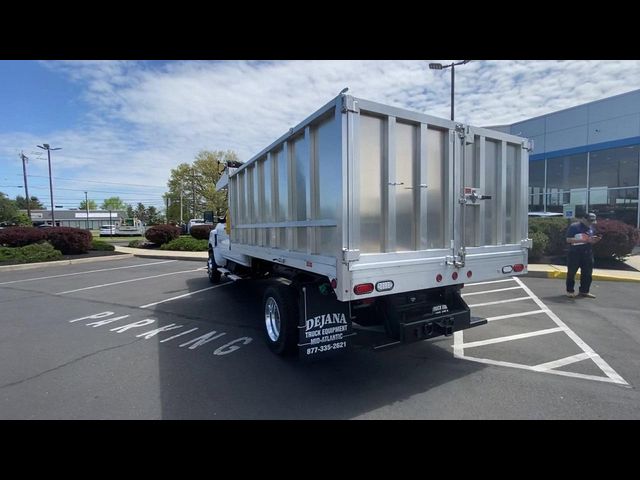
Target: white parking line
514, 315
490, 291
88, 271
519, 299
127, 281
562, 362
184, 295
508, 338
487, 283
548, 367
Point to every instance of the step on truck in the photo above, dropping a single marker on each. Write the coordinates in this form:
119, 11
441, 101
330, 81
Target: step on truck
367, 217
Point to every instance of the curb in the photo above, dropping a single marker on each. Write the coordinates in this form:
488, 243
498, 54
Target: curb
167, 256
59, 263
170, 257
596, 276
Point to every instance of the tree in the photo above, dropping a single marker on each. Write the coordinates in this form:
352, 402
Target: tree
9, 213
198, 182
113, 203
34, 203
8, 208
153, 217
92, 205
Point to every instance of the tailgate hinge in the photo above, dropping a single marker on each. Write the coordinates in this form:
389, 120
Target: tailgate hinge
465, 134
349, 104
528, 145
350, 255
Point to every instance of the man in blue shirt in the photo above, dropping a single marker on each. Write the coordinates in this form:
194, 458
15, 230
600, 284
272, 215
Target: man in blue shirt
580, 236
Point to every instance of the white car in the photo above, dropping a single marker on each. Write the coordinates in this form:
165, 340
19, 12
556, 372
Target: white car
107, 230
193, 222
545, 214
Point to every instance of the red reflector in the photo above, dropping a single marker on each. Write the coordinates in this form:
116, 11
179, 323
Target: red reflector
469, 273
334, 283
438, 278
518, 267
454, 275
363, 288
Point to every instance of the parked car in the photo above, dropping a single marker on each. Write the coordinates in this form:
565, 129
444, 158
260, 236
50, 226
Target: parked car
545, 214
107, 230
194, 221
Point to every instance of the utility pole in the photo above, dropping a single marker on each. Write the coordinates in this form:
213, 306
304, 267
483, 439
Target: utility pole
181, 189
86, 206
26, 189
193, 190
47, 147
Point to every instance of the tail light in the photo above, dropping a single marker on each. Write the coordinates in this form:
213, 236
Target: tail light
363, 288
518, 267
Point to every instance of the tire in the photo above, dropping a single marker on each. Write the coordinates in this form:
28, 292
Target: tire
212, 269
280, 316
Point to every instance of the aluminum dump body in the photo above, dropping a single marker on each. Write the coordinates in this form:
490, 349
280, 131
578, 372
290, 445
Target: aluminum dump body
364, 192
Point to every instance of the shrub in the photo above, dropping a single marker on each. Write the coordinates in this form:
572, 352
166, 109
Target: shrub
161, 234
555, 229
201, 232
186, 244
69, 240
618, 239
38, 252
540, 244
102, 246
20, 236
135, 243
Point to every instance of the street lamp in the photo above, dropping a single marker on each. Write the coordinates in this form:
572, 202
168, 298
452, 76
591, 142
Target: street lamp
439, 66
47, 147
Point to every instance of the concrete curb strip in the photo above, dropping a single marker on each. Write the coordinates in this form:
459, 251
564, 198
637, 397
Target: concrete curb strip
58, 263
164, 254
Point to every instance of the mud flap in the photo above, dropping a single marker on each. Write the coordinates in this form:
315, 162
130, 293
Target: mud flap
324, 327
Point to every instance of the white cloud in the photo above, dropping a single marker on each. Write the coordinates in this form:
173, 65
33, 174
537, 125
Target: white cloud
146, 118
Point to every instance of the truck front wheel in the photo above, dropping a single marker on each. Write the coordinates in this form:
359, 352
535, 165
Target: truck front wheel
281, 319
212, 269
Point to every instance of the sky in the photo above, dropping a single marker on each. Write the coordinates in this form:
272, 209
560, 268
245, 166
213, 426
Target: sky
123, 125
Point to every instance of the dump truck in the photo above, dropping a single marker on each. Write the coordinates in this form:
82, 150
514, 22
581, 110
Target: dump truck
370, 217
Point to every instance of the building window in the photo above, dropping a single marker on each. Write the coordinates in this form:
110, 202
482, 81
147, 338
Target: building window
614, 167
615, 203
536, 186
567, 173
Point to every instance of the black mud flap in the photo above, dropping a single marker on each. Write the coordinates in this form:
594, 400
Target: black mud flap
430, 314
324, 326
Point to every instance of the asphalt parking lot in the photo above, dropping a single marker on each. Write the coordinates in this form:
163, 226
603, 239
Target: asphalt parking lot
153, 339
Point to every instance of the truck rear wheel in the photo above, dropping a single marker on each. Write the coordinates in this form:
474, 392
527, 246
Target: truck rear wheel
212, 269
281, 319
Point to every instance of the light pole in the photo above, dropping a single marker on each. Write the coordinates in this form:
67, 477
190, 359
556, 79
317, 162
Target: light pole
439, 66
47, 147
26, 189
86, 207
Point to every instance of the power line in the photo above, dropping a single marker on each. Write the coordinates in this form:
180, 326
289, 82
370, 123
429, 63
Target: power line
104, 182
97, 191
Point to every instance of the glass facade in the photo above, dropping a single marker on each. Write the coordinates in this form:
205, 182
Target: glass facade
605, 182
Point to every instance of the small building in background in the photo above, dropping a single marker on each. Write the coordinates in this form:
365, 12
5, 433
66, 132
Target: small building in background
78, 218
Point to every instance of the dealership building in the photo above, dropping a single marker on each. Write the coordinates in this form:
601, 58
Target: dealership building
586, 158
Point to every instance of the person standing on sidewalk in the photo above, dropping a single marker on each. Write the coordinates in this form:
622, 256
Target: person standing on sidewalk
580, 236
